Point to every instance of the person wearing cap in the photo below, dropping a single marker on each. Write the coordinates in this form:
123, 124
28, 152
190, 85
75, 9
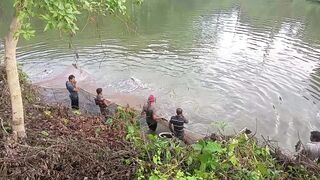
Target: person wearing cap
150, 111
176, 124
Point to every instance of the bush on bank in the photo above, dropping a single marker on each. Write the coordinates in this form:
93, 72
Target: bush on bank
239, 157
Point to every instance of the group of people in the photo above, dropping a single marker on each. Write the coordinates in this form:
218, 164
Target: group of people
176, 123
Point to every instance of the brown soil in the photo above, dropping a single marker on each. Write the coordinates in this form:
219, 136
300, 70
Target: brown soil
62, 145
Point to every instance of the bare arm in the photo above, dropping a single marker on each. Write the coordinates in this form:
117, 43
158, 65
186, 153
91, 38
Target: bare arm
185, 120
156, 117
170, 126
76, 88
106, 102
143, 112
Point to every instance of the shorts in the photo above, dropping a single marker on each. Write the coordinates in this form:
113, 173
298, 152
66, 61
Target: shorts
179, 135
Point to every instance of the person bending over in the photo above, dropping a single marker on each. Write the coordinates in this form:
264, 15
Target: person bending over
150, 110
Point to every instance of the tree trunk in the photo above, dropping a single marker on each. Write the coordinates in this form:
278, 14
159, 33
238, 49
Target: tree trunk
11, 41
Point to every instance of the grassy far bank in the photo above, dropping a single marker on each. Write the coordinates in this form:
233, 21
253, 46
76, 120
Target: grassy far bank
61, 145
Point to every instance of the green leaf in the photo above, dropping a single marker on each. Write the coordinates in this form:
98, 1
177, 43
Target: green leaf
60, 25
155, 159
262, 168
130, 129
189, 161
205, 157
25, 36
60, 6
48, 113
97, 131
197, 147
153, 177
233, 159
212, 147
191, 178
46, 27
168, 155
233, 145
45, 133
45, 17
76, 12
76, 112
65, 121
109, 121
63, 14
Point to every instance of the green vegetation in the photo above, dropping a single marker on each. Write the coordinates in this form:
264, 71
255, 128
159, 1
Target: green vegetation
64, 145
63, 15
239, 157
58, 15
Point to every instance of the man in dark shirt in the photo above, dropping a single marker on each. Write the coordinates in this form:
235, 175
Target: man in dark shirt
104, 104
177, 122
73, 90
150, 111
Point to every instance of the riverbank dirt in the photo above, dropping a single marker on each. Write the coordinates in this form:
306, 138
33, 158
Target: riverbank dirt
62, 145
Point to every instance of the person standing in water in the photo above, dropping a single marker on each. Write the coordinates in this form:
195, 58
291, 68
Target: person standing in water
71, 85
176, 124
150, 111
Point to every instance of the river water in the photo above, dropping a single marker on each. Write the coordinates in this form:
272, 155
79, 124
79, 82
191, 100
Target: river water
248, 63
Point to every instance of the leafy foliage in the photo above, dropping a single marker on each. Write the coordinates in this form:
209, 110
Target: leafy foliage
63, 14
87, 139
239, 157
